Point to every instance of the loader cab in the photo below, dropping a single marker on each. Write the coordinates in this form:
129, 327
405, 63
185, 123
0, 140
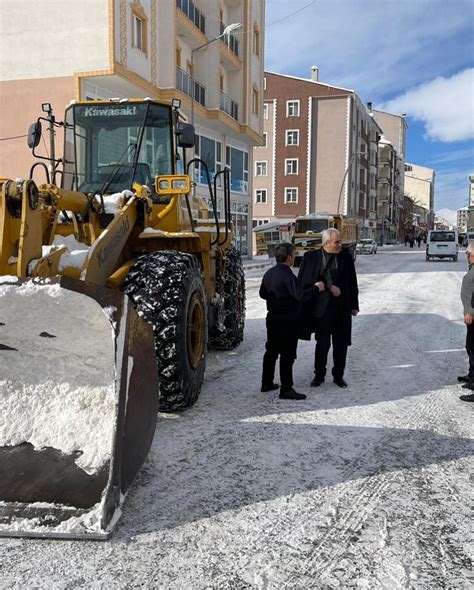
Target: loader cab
111, 145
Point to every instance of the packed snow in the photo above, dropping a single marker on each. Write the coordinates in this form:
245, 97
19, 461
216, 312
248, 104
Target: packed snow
367, 487
57, 377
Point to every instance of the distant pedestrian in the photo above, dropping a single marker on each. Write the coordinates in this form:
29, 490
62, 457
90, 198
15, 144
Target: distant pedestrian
467, 296
328, 313
418, 240
279, 288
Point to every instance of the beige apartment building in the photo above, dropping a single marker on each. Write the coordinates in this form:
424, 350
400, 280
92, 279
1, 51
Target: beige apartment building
420, 187
162, 49
390, 220
319, 152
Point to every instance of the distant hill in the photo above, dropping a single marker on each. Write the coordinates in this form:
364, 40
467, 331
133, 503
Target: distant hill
448, 214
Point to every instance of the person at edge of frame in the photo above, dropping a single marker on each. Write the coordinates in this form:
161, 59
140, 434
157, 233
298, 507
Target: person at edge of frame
467, 299
329, 314
279, 289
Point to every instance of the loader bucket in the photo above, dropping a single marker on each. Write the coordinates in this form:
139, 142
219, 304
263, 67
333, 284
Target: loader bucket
78, 406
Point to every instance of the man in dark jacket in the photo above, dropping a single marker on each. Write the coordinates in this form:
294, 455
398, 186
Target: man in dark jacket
279, 288
329, 313
467, 299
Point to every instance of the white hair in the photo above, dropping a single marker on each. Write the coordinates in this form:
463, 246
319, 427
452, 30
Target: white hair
470, 247
326, 235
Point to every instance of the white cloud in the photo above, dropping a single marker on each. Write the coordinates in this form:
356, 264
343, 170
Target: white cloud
445, 105
378, 48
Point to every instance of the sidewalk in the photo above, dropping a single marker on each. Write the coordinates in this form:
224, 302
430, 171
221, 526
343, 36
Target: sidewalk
256, 262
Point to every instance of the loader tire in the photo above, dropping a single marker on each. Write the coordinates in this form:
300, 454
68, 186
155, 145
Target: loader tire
167, 290
231, 286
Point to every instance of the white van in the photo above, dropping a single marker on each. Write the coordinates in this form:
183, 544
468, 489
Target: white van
442, 244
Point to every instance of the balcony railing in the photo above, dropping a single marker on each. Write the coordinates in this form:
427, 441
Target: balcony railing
186, 84
231, 42
229, 106
193, 13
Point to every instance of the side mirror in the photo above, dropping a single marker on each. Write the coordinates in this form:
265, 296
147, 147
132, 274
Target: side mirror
34, 135
185, 133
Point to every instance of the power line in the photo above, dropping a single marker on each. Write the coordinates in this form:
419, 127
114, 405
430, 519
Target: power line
291, 14
15, 137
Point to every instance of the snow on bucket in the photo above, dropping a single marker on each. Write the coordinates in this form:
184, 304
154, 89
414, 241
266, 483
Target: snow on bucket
72, 403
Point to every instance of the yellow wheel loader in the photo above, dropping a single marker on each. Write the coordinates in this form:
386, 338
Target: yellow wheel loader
114, 279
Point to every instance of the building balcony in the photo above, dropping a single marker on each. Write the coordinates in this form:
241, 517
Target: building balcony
186, 84
230, 41
229, 106
193, 13
384, 180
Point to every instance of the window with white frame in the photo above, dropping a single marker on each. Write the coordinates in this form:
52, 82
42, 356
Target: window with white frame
291, 194
261, 168
292, 108
292, 137
265, 140
257, 222
265, 110
261, 195
139, 31
210, 151
291, 166
238, 162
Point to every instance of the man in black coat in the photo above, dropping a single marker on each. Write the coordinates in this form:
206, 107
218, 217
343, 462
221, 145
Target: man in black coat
279, 288
328, 313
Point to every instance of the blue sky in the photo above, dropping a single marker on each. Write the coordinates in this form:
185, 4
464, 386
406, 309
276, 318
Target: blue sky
405, 56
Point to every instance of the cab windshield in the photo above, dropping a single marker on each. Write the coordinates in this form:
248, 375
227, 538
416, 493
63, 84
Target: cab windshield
311, 226
110, 146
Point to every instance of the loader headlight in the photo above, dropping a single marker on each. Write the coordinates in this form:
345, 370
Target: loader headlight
166, 185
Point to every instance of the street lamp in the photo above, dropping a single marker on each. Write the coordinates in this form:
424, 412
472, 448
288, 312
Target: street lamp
345, 175
229, 29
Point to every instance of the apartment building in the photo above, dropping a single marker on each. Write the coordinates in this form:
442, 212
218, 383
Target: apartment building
462, 218
394, 131
320, 152
162, 49
471, 190
420, 187
387, 198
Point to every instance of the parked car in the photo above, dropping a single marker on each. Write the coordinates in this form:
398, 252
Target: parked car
366, 246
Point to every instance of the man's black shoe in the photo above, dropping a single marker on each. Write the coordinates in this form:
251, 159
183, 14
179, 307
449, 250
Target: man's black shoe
467, 398
464, 379
340, 382
469, 385
271, 387
291, 394
316, 382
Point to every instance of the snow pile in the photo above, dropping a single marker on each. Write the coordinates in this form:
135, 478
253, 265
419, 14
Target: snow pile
113, 204
57, 376
75, 255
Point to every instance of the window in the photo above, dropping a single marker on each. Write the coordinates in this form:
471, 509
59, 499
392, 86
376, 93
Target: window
291, 195
178, 56
292, 108
257, 222
408, 168
261, 168
265, 139
261, 195
139, 29
256, 41
292, 137
265, 110
291, 166
255, 100
238, 162
210, 151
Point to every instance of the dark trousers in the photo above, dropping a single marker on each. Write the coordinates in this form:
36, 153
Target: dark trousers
329, 328
470, 349
282, 340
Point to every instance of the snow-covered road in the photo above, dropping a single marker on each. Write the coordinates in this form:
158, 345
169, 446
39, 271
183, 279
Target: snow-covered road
366, 487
